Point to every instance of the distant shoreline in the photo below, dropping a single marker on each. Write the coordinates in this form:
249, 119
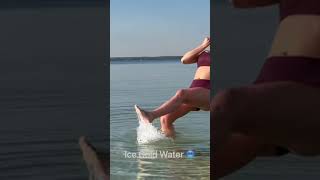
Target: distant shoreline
146, 58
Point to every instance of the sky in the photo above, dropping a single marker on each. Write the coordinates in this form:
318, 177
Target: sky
157, 27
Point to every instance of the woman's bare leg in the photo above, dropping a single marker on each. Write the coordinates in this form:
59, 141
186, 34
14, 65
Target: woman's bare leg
280, 113
168, 119
195, 97
97, 169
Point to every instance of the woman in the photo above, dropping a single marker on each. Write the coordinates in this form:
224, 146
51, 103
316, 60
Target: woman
196, 97
279, 113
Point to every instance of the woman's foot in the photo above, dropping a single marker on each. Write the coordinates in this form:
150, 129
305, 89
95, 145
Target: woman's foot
167, 128
96, 168
144, 116
168, 132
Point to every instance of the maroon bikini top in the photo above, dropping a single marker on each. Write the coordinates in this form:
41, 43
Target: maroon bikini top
292, 7
204, 59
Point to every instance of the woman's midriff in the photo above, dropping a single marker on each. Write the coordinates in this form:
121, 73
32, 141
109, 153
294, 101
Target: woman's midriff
297, 35
203, 72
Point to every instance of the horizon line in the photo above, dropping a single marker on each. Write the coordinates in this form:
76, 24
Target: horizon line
143, 56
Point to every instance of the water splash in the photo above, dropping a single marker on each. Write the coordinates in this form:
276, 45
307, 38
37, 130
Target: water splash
147, 133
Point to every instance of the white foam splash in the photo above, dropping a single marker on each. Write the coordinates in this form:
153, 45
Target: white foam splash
147, 133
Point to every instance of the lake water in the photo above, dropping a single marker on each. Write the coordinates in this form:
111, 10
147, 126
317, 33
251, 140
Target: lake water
150, 83
52, 88
40, 131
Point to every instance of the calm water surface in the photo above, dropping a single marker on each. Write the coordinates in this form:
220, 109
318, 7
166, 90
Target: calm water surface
150, 83
40, 131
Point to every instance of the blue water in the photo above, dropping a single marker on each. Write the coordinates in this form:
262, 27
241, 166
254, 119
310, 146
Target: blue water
150, 83
39, 134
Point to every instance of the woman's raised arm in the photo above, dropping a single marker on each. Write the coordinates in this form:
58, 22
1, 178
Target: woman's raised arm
252, 3
192, 56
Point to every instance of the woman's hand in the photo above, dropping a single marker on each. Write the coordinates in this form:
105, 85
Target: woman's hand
206, 42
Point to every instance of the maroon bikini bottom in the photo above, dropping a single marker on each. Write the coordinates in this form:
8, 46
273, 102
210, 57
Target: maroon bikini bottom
290, 68
200, 83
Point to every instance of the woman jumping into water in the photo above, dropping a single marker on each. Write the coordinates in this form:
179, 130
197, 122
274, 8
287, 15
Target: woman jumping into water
194, 98
279, 113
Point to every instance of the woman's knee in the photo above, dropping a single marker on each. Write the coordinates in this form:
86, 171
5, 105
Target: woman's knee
181, 94
228, 100
231, 104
